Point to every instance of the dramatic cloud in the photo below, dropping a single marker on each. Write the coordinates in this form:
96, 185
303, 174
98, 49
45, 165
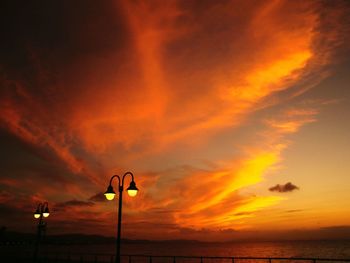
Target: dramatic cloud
284, 188
198, 99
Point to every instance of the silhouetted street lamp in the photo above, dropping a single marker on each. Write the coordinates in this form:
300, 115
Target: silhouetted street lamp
41, 211
110, 194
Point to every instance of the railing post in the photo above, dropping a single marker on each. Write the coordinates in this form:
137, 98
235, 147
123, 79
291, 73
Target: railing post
201, 259
150, 259
270, 260
129, 258
174, 260
233, 260
111, 258
314, 260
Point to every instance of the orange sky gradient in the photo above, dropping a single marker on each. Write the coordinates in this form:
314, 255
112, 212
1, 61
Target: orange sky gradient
209, 103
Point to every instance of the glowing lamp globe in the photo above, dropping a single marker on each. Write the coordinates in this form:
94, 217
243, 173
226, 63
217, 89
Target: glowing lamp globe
46, 212
132, 193
110, 194
132, 189
37, 213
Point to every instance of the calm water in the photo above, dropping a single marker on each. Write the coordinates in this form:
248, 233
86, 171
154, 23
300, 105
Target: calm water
317, 249
304, 249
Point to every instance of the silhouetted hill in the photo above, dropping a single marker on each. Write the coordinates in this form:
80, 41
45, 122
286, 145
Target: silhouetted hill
75, 238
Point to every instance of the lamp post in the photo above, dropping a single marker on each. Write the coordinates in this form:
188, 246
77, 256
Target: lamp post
41, 211
110, 194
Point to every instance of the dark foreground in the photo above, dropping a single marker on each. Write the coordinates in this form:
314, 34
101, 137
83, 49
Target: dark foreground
90, 249
103, 258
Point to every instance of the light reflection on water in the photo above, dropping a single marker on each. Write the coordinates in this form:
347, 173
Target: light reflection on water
306, 249
87, 253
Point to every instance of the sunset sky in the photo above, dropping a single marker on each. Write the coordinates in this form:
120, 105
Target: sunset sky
234, 117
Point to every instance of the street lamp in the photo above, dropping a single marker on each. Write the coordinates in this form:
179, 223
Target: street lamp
41, 211
110, 194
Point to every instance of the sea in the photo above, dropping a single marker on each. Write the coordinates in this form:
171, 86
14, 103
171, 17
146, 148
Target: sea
317, 249
166, 251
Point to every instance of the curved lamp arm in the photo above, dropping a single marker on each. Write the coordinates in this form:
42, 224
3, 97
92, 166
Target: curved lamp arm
110, 181
110, 194
132, 189
128, 173
45, 209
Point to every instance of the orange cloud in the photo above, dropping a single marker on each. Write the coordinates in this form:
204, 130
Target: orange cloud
292, 120
181, 76
221, 104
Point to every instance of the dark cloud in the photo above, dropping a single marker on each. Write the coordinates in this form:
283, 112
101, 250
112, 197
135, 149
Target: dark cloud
99, 197
73, 203
63, 28
343, 228
243, 213
284, 188
294, 211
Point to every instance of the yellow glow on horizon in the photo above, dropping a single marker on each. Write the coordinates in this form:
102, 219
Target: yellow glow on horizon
258, 203
215, 209
250, 173
247, 210
253, 169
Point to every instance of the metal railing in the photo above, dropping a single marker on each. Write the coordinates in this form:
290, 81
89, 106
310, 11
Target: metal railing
108, 258
99, 258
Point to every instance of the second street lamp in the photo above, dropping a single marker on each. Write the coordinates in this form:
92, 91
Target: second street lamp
110, 194
41, 211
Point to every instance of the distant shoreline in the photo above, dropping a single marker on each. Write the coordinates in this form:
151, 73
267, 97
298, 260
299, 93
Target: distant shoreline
17, 238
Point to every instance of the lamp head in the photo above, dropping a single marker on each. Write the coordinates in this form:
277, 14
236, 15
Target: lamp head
132, 189
46, 212
110, 194
37, 213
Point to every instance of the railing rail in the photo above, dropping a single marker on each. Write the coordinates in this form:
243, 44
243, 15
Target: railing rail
135, 258
239, 258
96, 257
